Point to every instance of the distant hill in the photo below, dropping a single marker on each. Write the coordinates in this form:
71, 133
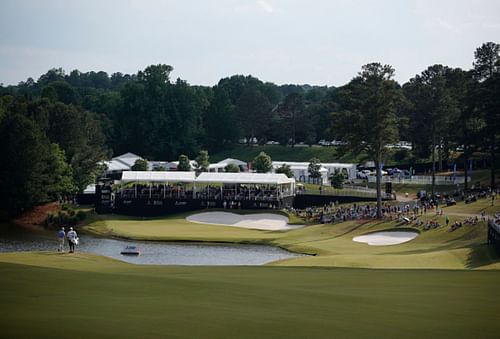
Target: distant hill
283, 153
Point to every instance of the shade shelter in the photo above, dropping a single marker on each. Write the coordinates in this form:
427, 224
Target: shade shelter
151, 184
250, 185
156, 184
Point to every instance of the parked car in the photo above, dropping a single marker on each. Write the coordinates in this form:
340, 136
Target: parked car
244, 141
450, 202
363, 174
393, 171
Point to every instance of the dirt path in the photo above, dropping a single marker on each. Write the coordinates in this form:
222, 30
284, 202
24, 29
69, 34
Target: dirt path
404, 198
35, 217
466, 215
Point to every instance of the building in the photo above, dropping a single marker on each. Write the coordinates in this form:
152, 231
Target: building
300, 170
117, 165
221, 165
159, 192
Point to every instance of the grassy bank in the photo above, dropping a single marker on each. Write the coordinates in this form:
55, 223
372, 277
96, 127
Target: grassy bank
332, 245
283, 153
55, 296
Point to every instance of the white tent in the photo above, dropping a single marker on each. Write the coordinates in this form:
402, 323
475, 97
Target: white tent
349, 169
245, 178
172, 165
300, 170
207, 177
162, 177
221, 165
115, 166
90, 189
279, 183
122, 162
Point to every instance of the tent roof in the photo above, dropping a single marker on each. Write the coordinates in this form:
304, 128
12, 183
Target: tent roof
244, 178
158, 176
206, 177
126, 156
115, 165
306, 164
90, 189
338, 164
225, 162
128, 159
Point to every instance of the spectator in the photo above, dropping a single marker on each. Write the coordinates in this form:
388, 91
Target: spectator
61, 235
72, 239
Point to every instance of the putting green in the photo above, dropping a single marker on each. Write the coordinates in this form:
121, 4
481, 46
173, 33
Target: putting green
332, 245
56, 295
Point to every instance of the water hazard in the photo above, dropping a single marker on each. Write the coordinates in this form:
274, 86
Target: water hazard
155, 253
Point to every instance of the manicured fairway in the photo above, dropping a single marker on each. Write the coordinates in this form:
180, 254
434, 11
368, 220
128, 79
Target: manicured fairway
54, 296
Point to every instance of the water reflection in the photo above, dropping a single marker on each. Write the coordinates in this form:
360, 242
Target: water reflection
157, 253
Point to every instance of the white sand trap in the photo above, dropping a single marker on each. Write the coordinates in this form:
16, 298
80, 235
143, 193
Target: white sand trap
386, 238
260, 221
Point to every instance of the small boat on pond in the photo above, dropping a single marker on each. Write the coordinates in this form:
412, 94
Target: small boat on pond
131, 250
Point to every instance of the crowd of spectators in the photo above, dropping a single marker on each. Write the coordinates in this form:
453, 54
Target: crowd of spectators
496, 220
335, 212
407, 213
206, 193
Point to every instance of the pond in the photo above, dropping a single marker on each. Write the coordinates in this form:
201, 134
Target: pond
153, 253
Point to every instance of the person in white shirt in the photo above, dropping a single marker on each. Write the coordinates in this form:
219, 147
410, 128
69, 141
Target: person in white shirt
72, 239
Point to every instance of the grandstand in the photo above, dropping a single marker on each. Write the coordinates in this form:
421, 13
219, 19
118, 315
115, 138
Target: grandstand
159, 192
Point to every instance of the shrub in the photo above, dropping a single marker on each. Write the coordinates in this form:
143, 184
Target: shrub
401, 155
81, 215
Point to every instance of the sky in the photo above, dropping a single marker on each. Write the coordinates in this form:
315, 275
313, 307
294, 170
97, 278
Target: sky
318, 42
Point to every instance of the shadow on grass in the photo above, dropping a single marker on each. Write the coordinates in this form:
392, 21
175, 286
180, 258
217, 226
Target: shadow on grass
481, 255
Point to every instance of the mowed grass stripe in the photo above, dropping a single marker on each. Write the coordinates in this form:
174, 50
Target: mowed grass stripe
245, 302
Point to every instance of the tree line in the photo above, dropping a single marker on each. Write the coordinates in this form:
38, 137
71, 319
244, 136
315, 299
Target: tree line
55, 129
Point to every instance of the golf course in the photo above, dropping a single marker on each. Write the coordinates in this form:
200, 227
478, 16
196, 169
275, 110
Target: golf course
441, 284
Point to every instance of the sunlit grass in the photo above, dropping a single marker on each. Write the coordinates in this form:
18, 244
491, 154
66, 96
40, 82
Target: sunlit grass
86, 296
332, 245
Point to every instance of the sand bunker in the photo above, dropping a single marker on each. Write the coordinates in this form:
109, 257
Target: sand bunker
386, 238
261, 221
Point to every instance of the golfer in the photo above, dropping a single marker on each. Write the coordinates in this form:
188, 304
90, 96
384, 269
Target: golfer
61, 235
72, 239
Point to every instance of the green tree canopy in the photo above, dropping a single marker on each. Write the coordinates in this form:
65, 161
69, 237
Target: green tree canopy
314, 167
140, 165
34, 171
232, 168
202, 162
285, 169
337, 179
60, 182
435, 109
184, 164
367, 118
254, 112
159, 118
487, 60
61, 91
487, 71
262, 163
221, 120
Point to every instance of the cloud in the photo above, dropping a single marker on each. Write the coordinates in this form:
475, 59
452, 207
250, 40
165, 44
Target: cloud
266, 6
448, 26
